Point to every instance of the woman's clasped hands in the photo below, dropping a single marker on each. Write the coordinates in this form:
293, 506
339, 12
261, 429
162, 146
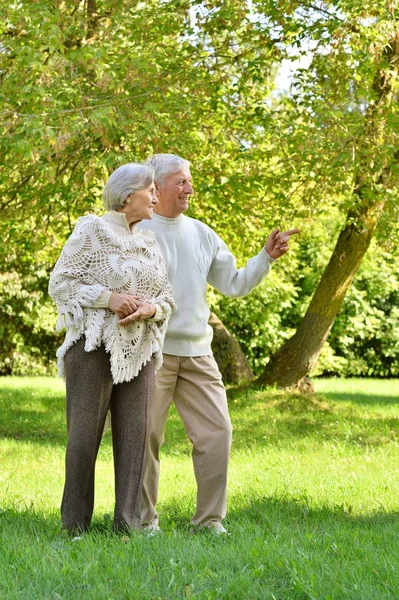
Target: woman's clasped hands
130, 308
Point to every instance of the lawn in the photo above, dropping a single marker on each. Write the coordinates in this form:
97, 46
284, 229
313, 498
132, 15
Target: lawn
313, 503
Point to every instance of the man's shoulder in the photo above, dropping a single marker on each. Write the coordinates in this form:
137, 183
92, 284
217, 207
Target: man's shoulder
200, 225
192, 230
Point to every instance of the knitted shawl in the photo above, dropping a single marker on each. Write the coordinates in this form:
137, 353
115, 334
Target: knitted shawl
96, 259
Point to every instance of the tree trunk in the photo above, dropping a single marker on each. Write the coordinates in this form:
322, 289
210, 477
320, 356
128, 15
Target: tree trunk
231, 360
299, 354
91, 8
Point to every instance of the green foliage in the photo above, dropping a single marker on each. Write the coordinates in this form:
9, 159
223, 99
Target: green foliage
364, 340
259, 321
26, 325
86, 86
366, 334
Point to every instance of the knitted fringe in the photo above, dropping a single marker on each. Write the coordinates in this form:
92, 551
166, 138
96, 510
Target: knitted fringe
119, 373
69, 316
127, 373
72, 315
93, 332
69, 341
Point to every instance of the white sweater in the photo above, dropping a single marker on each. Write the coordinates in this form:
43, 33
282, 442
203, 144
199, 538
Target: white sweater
195, 256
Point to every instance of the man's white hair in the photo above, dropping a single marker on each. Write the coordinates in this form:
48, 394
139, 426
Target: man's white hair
166, 164
124, 181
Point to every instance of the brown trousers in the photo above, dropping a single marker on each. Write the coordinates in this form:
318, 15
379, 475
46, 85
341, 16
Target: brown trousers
90, 391
195, 385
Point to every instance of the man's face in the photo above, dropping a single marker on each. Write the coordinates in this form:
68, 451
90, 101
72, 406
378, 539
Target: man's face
173, 194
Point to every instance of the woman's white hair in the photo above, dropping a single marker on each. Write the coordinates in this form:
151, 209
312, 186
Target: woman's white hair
124, 181
166, 164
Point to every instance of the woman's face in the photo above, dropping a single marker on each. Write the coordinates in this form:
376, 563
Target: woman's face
140, 204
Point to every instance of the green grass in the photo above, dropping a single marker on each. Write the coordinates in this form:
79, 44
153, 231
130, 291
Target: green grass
313, 503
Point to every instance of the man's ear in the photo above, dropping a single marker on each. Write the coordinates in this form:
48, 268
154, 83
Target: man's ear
157, 190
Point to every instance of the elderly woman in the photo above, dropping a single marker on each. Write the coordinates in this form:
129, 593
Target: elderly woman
114, 299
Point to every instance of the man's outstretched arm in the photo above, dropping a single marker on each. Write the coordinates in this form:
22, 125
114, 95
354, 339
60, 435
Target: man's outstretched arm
233, 282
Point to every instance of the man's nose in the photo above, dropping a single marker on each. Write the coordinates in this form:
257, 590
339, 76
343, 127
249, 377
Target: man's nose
188, 188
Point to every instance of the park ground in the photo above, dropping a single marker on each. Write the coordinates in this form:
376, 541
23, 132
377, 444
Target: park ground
313, 503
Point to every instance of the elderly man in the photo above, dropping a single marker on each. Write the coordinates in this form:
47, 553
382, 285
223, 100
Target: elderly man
195, 256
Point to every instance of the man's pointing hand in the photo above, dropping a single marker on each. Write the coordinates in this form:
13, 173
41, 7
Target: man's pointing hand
277, 243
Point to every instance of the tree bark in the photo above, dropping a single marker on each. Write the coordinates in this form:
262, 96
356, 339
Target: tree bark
231, 360
91, 8
298, 355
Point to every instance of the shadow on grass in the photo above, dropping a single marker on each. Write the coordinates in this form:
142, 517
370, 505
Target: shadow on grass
356, 431
260, 418
37, 415
27, 515
363, 399
28, 414
269, 513
29, 522
291, 511
335, 535
271, 417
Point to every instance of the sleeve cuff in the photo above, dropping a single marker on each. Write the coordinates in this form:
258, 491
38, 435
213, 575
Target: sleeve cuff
159, 314
269, 258
103, 300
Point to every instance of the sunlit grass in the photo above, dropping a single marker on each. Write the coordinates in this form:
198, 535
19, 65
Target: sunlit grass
313, 503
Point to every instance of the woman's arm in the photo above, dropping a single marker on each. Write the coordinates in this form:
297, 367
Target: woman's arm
72, 284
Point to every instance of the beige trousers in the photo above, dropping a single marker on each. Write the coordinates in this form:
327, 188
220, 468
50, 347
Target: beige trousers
195, 385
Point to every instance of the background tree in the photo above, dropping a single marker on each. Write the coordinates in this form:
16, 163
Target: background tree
86, 86
89, 85
367, 114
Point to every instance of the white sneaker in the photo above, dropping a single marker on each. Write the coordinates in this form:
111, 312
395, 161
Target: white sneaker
152, 529
215, 529
219, 529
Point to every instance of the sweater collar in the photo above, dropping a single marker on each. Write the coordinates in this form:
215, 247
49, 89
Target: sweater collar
167, 220
118, 218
